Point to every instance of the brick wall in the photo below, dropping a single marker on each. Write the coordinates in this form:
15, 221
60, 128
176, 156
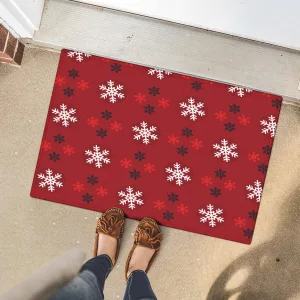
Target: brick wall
11, 50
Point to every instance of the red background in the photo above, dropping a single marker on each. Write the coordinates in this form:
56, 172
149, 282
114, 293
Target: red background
176, 88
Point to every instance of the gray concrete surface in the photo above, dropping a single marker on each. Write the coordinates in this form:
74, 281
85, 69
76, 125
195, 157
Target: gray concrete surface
190, 266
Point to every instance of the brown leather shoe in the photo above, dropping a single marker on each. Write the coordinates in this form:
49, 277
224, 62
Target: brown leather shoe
110, 223
149, 235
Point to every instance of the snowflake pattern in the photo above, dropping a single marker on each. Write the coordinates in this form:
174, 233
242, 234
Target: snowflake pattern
211, 216
93, 122
173, 197
178, 174
145, 133
192, 109
240, 91
244, 120
64, 115
240, 222
126, 163
153, 91
92, 179
196, 85
182, 150
206, 180
79, 56
215, 192
221, 115
267, 150
116, 126
54, 156
164, 103
225, 150
229, 185
87, 198
158, 204
78, 187
173, 139
68, 92
111, 91
139, 155
59, 139
181, 208
248, 233
255, 191
252, 215
276, 103
106, 114
134, 174
187, 132
73, 73
149, 109
130, 197
167, 215
196, 144
253, 156
220, 173
46, 145
140, 98
82, 85
51, 180
69, 150
98, 157
160, 74
269, 126
60, 80
101, 191
149, 168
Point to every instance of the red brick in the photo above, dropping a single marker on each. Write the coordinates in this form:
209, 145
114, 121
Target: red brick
3, 36
11, 51
11, 45
2, 54
7, 60
19, 54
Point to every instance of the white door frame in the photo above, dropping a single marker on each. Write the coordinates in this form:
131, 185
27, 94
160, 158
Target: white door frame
22, 17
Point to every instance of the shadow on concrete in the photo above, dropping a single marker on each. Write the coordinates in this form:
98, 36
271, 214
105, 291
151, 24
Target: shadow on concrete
271, 271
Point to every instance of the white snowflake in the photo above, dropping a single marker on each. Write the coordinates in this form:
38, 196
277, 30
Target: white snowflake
98, 157
240, 91
269, 127
225, 150
145, 133
131, 197
179, 174
111, 91
255, 191
160, 74
211, 215
50, 180
64, 115
79, 56
193, 109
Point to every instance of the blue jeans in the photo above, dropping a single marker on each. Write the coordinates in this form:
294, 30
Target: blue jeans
89, 284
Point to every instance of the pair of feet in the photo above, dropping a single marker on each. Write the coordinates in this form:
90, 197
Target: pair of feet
140, 258
147, 240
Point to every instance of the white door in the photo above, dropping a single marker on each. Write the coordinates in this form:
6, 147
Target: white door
271, 21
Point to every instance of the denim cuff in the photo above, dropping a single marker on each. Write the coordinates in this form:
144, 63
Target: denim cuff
136, 272
101, 266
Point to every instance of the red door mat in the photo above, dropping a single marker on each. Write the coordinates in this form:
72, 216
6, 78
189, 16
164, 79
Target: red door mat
191, 153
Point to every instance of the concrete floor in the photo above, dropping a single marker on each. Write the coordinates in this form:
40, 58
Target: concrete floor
190, 266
